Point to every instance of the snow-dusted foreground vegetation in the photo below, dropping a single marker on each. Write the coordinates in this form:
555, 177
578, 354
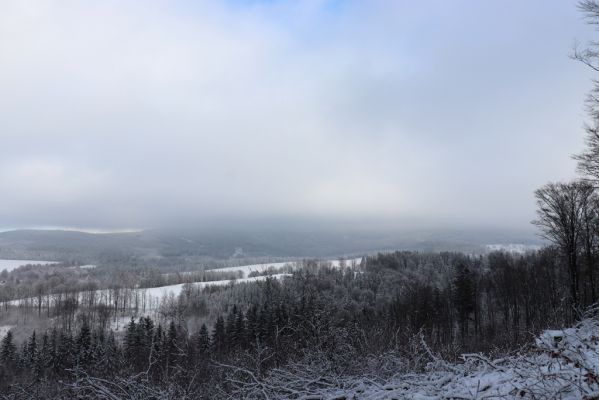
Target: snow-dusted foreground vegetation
563, 364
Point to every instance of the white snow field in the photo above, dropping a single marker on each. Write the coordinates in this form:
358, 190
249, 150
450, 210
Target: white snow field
9, 265
175, 290
564, 364
149, 299
146, 300
516, 248
261, 268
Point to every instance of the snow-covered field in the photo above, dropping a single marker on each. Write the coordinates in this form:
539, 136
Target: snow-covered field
260, 268
247, 269
150, 298
145, 299
516, 248
175, 290
9, 265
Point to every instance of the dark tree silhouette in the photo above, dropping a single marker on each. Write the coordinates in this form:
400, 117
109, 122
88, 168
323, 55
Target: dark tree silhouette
560, 215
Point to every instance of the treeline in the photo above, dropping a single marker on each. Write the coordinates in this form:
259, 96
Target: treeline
568, 212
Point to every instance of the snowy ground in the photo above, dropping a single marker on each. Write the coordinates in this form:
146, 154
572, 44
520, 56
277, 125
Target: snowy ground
158, 292
87, 266
516, 248
4, 329
563, 365
260, 268
148, 299
9, 265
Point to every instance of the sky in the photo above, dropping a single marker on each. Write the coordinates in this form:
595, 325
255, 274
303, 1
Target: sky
129, 114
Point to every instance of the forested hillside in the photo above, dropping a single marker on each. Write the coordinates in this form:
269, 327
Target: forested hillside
212, 342
172, 247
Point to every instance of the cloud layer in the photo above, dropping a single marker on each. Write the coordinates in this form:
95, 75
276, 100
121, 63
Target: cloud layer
134, 114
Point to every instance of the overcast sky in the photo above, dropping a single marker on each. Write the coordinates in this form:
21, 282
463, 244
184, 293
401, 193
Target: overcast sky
119, 114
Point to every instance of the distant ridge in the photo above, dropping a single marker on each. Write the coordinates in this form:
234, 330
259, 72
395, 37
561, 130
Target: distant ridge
192, 245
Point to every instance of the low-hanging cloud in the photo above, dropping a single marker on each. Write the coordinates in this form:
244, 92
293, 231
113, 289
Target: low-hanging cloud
131, 114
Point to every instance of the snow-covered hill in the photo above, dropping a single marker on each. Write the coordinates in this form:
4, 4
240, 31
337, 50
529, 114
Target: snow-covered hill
146, 299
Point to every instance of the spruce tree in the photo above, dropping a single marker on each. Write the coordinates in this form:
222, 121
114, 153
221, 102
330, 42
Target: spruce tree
203, 341
53, 356
219, 336
252, 324
464, 296
65, 353
158, 353
130, 340
44, 355
240, 331
83, 346
8, 349
32, 351
172, 345
230, 328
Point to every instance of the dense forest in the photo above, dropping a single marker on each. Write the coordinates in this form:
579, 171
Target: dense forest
213, 342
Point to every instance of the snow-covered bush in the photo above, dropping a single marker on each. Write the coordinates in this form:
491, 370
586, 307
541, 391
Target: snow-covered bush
563, 364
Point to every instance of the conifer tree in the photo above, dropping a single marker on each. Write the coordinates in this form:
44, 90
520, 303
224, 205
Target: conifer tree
53, 357
240, 331
32, 348
45, 353
464, 296
230, 328
83, 346
8, 349
219, 336
65, 353
131, 336
171, 346
112, 362
203, 342
252, 324
159, 357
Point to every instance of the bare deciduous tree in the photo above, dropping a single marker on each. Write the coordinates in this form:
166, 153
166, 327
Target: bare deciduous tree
588, 160
561, 218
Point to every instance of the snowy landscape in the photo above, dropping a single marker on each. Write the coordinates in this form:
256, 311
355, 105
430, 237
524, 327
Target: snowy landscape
303, 200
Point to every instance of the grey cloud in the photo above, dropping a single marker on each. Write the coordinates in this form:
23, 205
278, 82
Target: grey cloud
127, 115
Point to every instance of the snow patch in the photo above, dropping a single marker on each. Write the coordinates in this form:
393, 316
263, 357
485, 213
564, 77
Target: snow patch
4, 330
293, 265
516, 248
9, 265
